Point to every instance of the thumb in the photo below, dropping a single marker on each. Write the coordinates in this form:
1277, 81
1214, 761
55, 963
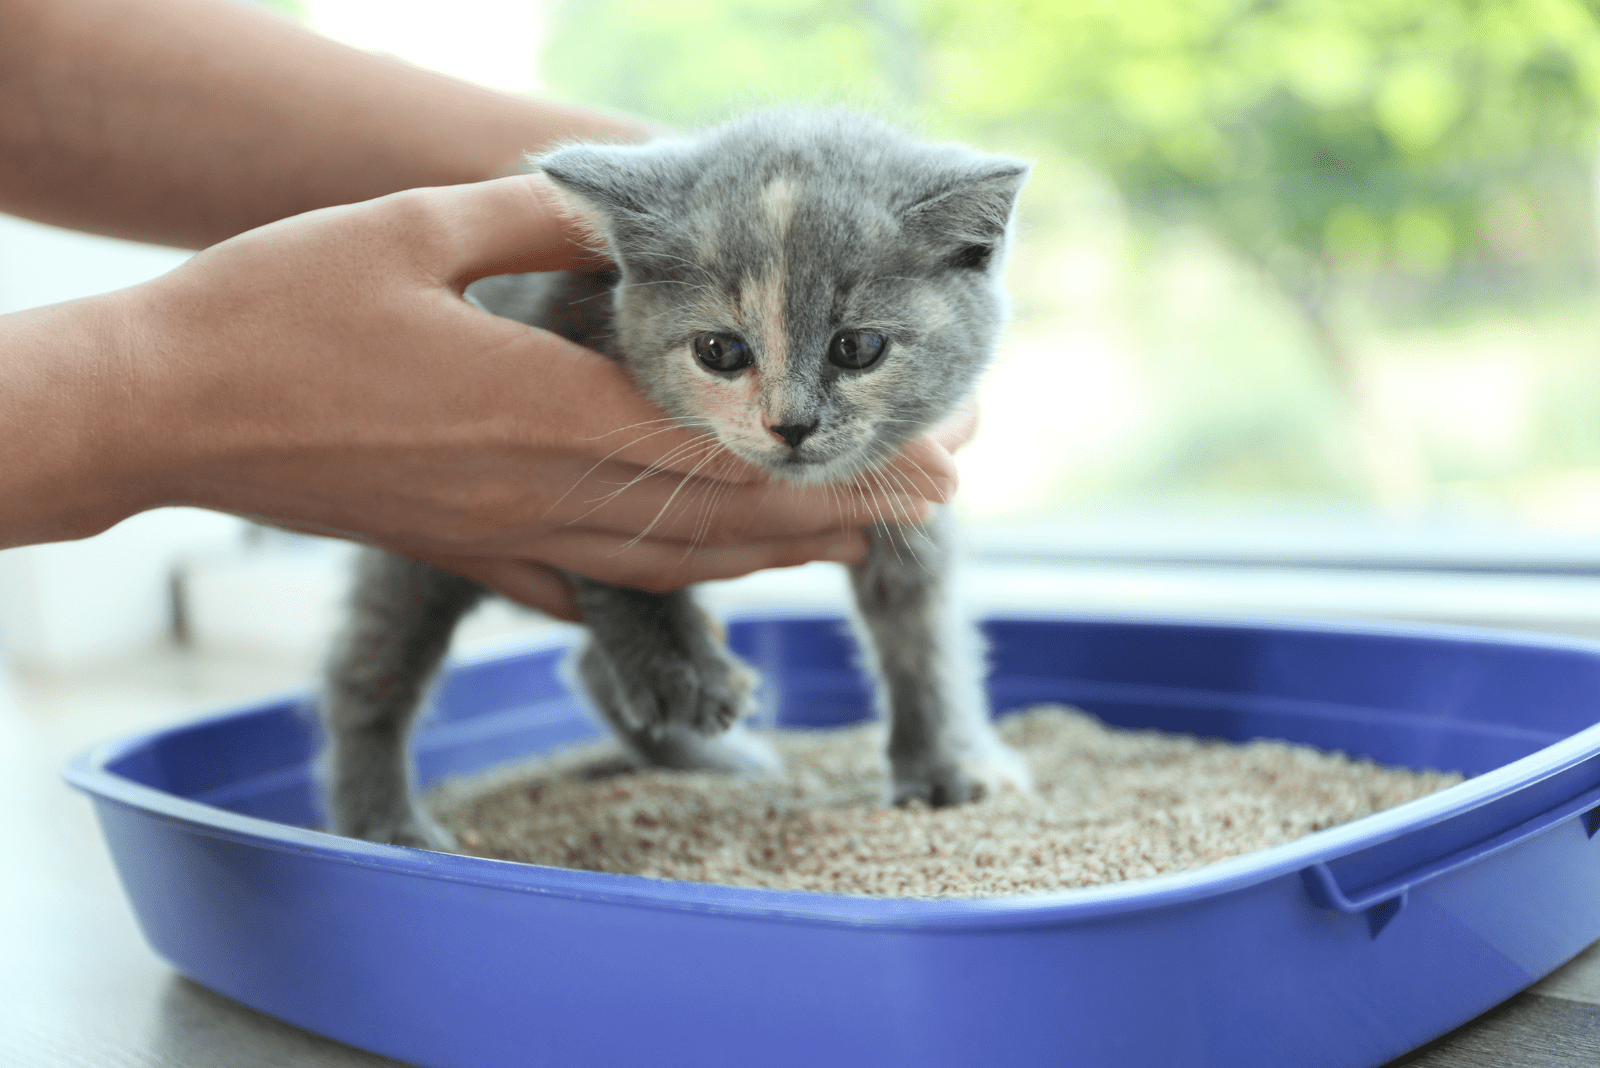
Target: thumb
511, 226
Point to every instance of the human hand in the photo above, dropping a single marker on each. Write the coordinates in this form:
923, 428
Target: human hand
324, 374
726, 549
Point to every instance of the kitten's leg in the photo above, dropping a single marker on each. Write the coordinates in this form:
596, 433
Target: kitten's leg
660, 674
402, 614
929, 660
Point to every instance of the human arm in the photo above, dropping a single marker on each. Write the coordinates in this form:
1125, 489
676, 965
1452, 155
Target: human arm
301, 376
184, 122
324, 374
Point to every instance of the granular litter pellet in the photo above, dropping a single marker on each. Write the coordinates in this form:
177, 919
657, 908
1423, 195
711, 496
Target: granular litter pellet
1108, 805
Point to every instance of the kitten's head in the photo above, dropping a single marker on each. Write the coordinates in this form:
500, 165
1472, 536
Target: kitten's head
816, 289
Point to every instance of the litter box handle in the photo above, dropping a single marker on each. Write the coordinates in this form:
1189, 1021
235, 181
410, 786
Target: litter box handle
1383, 901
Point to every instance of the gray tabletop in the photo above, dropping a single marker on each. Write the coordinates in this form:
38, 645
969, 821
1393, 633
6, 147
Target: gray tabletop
78, 986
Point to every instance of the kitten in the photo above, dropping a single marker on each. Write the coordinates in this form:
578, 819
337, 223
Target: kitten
816, 289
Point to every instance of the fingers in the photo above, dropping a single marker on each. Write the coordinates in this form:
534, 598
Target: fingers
924, 468
659, 566
621, 499
523, 581
512, 225
959, 428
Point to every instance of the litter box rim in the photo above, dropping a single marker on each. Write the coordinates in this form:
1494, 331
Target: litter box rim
89, 773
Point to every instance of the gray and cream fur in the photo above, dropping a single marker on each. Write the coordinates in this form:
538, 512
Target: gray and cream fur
815, 289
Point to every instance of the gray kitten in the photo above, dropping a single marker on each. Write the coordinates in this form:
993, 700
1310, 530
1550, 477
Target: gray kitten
816, 289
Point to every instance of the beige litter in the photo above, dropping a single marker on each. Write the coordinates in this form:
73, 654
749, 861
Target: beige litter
1109, 805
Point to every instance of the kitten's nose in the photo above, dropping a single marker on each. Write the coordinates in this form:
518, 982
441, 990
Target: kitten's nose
794, 433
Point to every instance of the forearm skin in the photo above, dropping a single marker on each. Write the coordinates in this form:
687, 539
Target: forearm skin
184, 122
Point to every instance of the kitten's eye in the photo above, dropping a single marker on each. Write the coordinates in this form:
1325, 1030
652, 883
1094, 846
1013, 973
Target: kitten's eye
722, 353
856, 350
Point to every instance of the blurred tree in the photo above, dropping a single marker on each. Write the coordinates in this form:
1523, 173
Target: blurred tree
699, 60
1332, 132
295, 9
1319, 141
1335, 133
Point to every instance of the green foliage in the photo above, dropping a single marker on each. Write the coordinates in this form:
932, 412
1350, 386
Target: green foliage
1309, 135
295, 9
699, 60
1321, 134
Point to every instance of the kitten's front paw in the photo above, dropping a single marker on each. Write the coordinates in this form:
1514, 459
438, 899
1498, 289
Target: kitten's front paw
413, 828
972, 777
739, 751
707, 695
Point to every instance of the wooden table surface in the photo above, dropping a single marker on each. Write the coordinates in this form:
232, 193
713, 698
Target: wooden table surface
1554, 1024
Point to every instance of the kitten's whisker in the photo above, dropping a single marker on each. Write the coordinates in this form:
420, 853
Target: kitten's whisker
656, 467
728, 488
894, 541
601, 461
720, 492
701, 269
698, 286
707, 497
836, 498
662, 463
907, 521
708, 502
839, 491
914, 526
902, 483
630, 426
931, 483
671, 456
631, 542
700, 448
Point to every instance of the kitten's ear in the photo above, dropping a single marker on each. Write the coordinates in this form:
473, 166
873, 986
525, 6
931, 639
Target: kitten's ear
967, 219
611, 185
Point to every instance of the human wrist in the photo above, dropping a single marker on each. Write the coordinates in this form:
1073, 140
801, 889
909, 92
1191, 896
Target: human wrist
68, 417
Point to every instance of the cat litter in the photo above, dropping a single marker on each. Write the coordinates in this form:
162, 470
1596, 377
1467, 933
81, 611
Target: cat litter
1344, 947
1108, 805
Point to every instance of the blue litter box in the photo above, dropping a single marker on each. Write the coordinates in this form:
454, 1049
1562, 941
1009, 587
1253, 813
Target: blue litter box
1343, 949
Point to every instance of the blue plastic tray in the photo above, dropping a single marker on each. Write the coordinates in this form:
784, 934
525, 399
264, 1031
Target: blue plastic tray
1345, 948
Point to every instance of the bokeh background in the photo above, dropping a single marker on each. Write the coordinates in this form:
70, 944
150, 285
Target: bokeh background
1296, 281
